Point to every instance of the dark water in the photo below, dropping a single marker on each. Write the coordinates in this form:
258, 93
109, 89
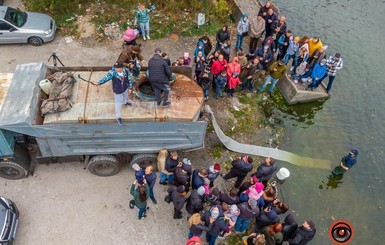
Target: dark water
354, 116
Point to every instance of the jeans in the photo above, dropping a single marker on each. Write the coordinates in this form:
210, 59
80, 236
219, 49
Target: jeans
141, 212
218, 91
288, 57
268, 80
151, 194
120, 99
239, 42
170, 179
241, 224
210, 239
145, 26
163, 177
206, 92
330, 83
248, 82
158, 92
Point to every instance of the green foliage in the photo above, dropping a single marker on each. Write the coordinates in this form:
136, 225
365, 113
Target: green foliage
216, 151
164, 21
221, 9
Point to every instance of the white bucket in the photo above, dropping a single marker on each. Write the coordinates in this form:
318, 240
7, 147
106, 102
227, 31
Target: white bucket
283, 173
46, 86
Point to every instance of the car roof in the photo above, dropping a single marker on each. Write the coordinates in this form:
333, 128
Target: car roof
3, 10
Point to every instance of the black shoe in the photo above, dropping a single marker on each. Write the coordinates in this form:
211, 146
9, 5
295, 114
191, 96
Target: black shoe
128, 104
154, 201
167, 103
144, 215
158, 103
178, 217
120, 121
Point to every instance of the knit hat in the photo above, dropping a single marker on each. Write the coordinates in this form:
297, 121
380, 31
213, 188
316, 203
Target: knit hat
354, 151
180, 189
249, 159
186, 161
217, 167
201, 191
233, 208
136, 48
158, 50
136, 167
253, 204
296, 39
259, 187
118, 65
323, 61
311, 224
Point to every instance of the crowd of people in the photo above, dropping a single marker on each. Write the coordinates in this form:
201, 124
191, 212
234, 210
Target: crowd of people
251, 202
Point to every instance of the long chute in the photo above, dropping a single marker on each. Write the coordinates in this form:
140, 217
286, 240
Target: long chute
286, 156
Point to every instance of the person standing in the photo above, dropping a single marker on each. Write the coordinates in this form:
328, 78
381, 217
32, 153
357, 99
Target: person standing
270, 19
242, 30
143, 16
121, 85
213, 173
178, 195
150, 177
256, 30
131, 57
214, 218
239, 169
196, 225
347, 162
172, 162
223, 35
333, 64
198, 177
317, 74
249, 210
304, 234
140, 196
253, 70
160, 77
277, 70
266, 170
273, 234
194, 203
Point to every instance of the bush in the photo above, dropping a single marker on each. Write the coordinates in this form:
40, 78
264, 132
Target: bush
221, 9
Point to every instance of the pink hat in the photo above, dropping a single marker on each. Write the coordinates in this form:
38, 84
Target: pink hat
259, 187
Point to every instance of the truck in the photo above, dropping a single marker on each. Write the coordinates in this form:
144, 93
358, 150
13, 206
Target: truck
87, 131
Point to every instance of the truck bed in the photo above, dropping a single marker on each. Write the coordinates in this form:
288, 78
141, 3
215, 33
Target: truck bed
97, 104
5, 80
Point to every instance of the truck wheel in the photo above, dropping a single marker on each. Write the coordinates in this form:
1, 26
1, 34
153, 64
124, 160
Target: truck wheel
145, 160
12, 170
103, 165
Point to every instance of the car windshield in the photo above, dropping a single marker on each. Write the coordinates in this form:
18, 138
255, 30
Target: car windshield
15, 17
3, 214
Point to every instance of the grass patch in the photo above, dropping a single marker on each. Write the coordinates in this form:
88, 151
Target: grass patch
216, 151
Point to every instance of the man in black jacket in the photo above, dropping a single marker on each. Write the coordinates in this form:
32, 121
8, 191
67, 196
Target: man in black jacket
239, 169
171, 164
266, 170
178, 195
303, 234
159, 76
195, 201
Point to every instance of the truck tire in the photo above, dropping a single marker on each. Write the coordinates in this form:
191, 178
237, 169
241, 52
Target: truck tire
12, 170
145, 160
103, 165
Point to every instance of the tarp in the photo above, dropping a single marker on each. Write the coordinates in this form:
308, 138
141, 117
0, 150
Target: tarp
281, 155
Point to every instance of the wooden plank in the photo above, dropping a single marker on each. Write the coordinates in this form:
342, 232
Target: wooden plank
186, 100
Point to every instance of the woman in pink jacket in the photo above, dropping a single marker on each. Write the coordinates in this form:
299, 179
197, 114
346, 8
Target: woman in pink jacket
233, 72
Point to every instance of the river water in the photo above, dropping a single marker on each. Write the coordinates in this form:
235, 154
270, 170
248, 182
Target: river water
353, 117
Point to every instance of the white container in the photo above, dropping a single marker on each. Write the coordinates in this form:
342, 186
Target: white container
46, 86
283, 173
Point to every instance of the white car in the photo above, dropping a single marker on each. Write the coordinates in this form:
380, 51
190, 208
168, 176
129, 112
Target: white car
17, 26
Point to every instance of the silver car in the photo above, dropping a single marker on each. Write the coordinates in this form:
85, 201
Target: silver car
17, 26
9, 220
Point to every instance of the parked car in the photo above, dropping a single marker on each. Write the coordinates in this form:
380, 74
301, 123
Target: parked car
9, 220
17, 26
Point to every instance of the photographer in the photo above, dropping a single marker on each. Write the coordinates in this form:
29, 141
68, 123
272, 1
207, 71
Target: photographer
131, 58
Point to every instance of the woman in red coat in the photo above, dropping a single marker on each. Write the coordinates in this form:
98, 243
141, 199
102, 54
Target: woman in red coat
233, 71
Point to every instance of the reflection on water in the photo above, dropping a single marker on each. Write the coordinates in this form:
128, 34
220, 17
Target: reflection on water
334, 181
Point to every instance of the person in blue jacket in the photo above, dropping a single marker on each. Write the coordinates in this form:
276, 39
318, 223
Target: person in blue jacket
150, 177
318, 73
347, 162
121, 85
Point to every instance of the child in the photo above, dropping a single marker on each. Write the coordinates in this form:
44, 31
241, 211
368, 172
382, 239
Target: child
139, 173
165, 58
186, 59
213, 173
220, 83
233, 83
179, 62
232, 215
200, 48
205, 81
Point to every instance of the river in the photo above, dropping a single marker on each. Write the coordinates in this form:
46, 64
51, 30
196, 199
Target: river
353, 117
